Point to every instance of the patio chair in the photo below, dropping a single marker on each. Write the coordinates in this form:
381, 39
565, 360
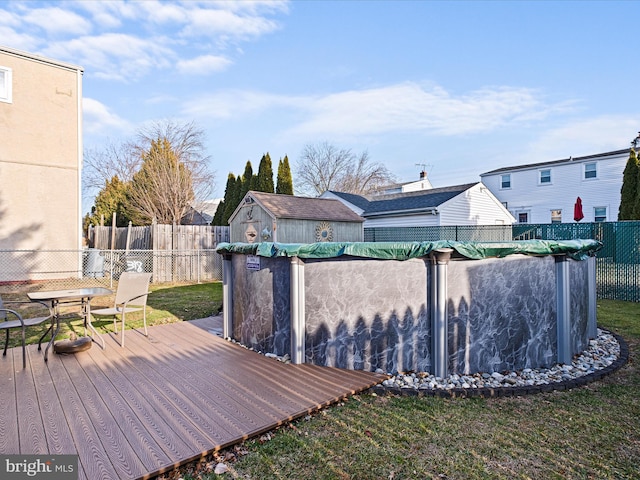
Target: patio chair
131, 296
19, 322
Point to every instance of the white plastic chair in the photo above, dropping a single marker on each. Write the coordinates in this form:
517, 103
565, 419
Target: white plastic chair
131, 296
22, 323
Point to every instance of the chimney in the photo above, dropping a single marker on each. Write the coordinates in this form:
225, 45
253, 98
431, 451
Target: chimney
423, 175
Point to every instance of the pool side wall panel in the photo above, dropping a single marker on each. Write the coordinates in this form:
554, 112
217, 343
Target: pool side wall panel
367, 314
502, 314
262, 304
579, 300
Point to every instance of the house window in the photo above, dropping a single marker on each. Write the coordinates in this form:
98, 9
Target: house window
545, 177
5, 84
523, 217
590, 171
600, 214
556, 216
505, 181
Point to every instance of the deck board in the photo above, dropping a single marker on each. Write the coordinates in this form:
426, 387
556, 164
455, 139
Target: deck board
159, 402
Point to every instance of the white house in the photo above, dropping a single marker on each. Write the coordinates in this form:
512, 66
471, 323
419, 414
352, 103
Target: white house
413, 186
469, 204
547, 192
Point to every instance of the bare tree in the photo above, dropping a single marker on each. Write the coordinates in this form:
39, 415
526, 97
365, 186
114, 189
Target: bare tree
174, 175
187, 143
165, 167
325, 167
120, 160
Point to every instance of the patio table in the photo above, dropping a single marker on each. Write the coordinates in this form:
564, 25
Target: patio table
76, 296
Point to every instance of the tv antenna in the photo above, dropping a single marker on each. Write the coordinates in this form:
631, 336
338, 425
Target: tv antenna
424, 166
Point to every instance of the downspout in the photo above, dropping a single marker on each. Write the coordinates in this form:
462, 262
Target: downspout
80, 162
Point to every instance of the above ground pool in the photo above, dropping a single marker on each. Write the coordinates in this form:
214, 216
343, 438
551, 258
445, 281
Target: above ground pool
439, 307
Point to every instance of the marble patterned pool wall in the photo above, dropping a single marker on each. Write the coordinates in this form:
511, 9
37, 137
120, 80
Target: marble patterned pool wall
502, 314
366, 314
579, 282
262, 304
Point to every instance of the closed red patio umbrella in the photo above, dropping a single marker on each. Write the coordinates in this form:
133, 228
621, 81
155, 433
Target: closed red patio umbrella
577, 210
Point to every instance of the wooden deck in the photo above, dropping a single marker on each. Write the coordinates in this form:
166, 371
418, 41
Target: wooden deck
161, 401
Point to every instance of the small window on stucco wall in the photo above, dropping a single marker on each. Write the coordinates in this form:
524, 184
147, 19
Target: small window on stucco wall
5, 84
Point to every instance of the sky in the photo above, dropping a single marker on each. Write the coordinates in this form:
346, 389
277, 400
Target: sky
457, 87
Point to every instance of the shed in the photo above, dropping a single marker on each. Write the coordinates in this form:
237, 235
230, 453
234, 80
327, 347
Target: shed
270, 217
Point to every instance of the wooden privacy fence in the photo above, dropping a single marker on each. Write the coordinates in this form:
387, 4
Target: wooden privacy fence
157, 237
170, 252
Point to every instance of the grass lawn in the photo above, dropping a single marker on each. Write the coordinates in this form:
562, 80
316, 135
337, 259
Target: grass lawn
588, 433
165, 304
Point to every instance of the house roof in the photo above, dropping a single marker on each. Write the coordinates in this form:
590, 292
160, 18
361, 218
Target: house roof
556, 162
305, 208
422, 200
38, 58
194, 217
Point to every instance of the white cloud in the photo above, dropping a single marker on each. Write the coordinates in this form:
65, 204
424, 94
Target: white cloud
585, 137
410, 107
8, 18
237, 104
114, 56
203, 65
56, 21
97, 118
405, 107
108, 14
19, 41
226, 24
162, 13
135, 38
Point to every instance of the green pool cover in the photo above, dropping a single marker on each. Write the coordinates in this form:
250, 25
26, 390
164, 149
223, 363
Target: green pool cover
576, 249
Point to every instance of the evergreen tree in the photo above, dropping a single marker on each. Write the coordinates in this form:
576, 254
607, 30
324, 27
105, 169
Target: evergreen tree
284, 181
163, 187
248, 179
217, 217
229, 197
264, 180
636, 205
112, 198
629, 193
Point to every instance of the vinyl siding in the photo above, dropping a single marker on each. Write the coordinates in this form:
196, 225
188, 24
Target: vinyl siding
475, 206
403, 221
567, 183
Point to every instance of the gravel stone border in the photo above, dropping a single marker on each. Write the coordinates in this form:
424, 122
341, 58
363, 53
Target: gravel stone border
567, 383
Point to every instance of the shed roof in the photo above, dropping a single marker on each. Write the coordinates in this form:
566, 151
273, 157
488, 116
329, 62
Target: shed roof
403, 202
305, 208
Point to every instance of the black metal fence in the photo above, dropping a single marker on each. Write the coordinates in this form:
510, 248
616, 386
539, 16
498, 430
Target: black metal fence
617, 264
